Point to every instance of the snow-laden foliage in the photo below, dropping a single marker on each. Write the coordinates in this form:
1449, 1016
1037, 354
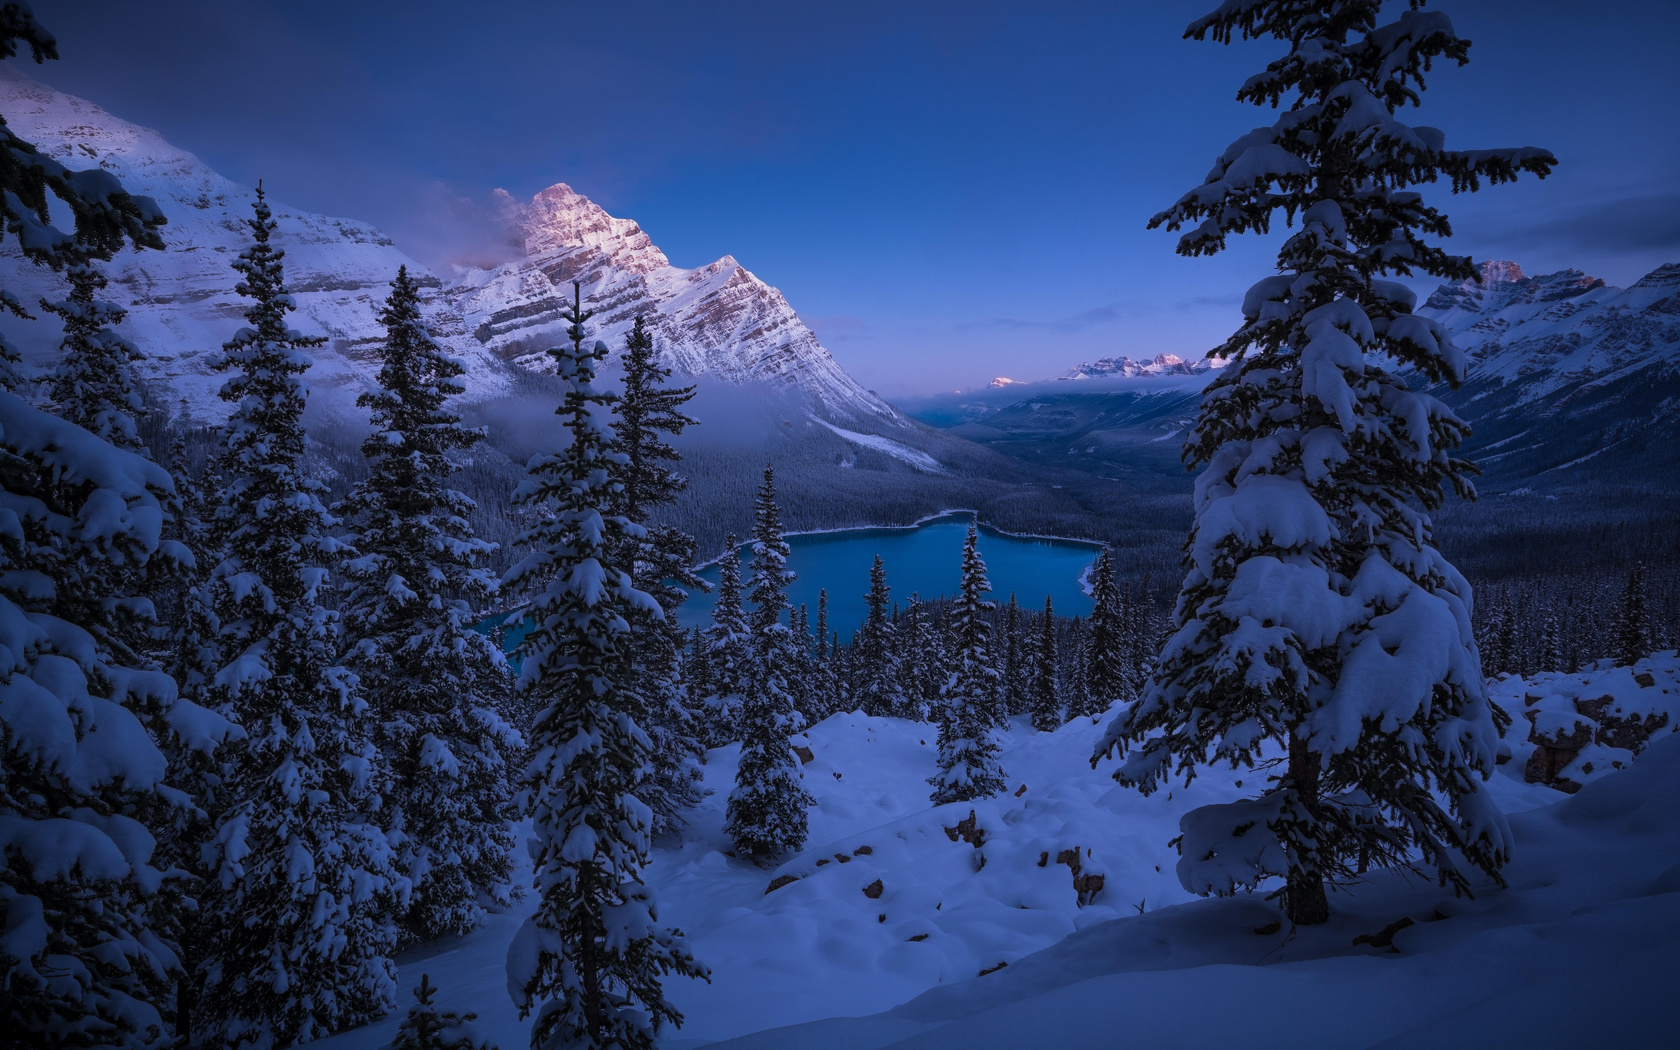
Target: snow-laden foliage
1043, 702
663, 567
303, 888
437, 687
1106, 675
921, 660
969, 710
428, 1028
766, 815
1316, 618
93, 386
878, 673
590, 959
83, 792
727, 655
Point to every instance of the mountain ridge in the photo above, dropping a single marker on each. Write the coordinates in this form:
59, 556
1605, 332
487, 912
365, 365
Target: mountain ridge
718, 320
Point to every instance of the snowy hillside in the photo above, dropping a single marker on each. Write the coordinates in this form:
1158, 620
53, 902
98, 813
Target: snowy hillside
1057, 905
716, 320
1567, 371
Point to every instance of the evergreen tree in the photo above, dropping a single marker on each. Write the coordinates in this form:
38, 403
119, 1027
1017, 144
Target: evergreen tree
969, 711
1042, 702
1076, 689
824, 688
1014, 662
93, 385
1634, 637
428, 1028
662, 566
590, 959
1316, 618
877, 672
418, 585
301, 902
766, 816
919, 663
105, 216
728, 654
1106, 673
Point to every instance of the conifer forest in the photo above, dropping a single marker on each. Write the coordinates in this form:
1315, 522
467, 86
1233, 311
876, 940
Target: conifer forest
492, 634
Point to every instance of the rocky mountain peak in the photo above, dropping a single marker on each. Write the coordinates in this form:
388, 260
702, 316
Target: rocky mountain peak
560, 218
1159, 365
1504, 284
1665, 276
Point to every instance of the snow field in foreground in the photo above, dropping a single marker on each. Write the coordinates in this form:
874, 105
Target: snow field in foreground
1586, 934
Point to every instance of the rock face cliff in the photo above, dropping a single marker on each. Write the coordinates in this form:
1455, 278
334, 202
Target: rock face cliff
717, 320
1125, 367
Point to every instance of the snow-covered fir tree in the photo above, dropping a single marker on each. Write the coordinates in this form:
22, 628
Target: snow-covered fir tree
590, 960
728, 655
1106, 677
1013, 660
93, 385
86, 957
919, 661
1042, 702
662, 560
876, 689
1318, 630
970, 714
89, 903
428, 1028
300, 908
418, 584
766, 814
823, 691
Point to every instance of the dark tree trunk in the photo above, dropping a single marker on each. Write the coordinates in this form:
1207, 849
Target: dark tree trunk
1303, 899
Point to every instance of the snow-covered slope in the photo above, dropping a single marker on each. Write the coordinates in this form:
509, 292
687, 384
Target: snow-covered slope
894, 898
717, 320
1561, 327
1571, 379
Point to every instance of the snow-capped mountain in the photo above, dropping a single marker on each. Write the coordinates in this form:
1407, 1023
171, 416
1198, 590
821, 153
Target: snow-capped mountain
717, 320
1159, 365
1566, 371
1561, 327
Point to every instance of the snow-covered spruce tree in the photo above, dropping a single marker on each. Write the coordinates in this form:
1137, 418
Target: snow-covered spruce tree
970, 715
1013, 661
824, 686
728, 655
1042, 701
662, 565
299, 913
86, 956
1106, 677
1316, 619
590, 959
877, 690
766, 815
1634, 638
87, 905
417, 585
428, 1028
93, 386
918, 664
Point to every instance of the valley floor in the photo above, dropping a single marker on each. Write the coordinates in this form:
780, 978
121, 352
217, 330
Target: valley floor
897, 907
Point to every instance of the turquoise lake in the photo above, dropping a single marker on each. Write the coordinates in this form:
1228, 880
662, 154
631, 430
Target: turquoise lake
925, 559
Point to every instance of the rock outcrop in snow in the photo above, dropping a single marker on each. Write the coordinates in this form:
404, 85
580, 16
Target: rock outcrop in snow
717, 320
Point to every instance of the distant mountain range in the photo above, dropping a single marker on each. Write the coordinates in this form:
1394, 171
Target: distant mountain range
717, 320
1571, 380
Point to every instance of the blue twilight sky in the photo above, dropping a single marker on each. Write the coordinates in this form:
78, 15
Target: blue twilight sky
945, 191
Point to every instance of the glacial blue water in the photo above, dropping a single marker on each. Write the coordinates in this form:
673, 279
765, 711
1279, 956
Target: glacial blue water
925, 559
